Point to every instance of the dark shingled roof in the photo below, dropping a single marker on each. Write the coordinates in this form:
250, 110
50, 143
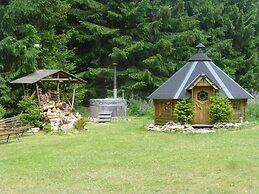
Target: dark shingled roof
200, 56
41, 74
176, 87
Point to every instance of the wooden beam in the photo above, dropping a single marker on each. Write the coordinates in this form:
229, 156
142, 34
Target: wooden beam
58, 88
38, 94
23, 87
60, 80
73, 97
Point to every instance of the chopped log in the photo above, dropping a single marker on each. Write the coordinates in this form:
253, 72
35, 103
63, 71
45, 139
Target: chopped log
51, 114
61, 105
50, 105
54, 95
54, 120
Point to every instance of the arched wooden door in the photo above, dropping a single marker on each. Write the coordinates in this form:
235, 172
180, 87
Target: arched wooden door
201, 100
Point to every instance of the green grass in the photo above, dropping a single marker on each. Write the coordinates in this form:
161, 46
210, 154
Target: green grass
122, 157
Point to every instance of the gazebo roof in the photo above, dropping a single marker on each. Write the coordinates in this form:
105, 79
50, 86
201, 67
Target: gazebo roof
42, 75
176, 87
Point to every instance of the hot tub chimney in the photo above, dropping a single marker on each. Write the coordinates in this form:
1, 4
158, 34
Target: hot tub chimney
115, 80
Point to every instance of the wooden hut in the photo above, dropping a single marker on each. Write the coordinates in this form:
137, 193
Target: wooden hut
198, 79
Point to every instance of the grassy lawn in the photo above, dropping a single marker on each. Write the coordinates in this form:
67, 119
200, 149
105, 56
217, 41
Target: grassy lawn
122, 157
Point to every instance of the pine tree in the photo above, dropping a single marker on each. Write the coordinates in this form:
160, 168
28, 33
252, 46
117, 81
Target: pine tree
32, 37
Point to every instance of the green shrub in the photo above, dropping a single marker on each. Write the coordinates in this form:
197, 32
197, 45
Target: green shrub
47, 128
220, 109
184, 111
83, 110
2, 111
133, 107
140, 108
30, 111
253, 109
80, 124
149, 111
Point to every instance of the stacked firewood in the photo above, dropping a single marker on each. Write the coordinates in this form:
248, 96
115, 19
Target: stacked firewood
57, 113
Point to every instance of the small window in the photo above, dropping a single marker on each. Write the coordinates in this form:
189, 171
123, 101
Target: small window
202, 96
167, 106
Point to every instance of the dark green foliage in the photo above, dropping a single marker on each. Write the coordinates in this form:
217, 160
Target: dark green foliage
184, 111
32, 36
136, 35
133, 107
80, 124
150, 41
2, 111
220, 109
30, 111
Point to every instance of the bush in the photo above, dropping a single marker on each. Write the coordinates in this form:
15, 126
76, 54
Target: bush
30, 111
80, 124
253, 109
220, 109
47, 128
2, 111
184, 111
140, 108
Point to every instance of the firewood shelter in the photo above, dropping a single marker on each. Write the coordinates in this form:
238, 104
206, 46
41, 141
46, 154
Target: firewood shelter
36, 84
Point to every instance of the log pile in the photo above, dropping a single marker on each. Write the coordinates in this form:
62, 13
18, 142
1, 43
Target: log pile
57, 113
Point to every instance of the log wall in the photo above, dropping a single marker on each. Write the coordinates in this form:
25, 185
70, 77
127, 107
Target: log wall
164, 111
239, 108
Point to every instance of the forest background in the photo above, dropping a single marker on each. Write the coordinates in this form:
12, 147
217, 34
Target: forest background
149, 39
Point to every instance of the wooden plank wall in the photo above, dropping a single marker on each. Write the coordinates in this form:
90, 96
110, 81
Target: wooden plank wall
239, 107
164, 111
163, 116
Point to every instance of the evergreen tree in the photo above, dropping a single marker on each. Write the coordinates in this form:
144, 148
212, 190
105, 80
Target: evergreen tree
145, 38
32, 37
149, 39
232, 36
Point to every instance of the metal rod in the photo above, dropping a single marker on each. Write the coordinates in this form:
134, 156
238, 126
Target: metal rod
115, 80
123, 95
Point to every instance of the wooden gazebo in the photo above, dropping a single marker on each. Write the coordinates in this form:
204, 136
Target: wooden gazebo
43, 76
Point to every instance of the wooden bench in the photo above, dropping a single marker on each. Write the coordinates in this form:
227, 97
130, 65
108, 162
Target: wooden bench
12, 126
7, 135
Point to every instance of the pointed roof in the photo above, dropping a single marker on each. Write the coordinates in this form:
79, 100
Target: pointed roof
42, 75
198, 79
200, 56
176, 87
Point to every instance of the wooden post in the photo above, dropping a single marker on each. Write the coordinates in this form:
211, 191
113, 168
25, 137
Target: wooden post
38, 94
73, 97
58, 88
23, 87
